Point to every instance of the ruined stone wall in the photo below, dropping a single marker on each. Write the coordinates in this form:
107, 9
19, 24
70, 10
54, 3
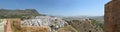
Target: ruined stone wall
112, 16
34, 29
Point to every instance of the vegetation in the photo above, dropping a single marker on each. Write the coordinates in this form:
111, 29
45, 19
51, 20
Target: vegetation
67, 28
97, 24
17, 13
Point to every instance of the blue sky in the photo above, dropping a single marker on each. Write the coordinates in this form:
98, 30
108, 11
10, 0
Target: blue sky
59, 7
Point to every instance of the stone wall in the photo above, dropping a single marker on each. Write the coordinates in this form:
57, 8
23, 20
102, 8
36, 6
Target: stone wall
34, 29
112, 16
16, 27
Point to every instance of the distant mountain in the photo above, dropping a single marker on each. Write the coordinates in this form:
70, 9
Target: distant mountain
4, 13
101, 18
98, 18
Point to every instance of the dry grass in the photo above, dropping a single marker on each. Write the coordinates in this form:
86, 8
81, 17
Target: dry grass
68, 28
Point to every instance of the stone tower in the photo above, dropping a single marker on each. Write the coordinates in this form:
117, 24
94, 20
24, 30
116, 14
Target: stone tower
112, 16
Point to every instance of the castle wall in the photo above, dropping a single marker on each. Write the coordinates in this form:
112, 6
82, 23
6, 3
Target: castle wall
112, 16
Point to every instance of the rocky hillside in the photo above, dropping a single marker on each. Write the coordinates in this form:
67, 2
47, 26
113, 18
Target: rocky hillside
86, 25
4, 13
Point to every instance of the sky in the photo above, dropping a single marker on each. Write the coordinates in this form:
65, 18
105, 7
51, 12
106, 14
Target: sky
59, 7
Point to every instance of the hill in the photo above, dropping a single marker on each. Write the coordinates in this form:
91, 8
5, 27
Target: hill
4, 13
86, 23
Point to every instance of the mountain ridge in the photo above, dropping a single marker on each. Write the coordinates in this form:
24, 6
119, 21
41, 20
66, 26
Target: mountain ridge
4, 13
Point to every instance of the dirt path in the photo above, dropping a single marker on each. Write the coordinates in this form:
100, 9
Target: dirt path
8, 26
